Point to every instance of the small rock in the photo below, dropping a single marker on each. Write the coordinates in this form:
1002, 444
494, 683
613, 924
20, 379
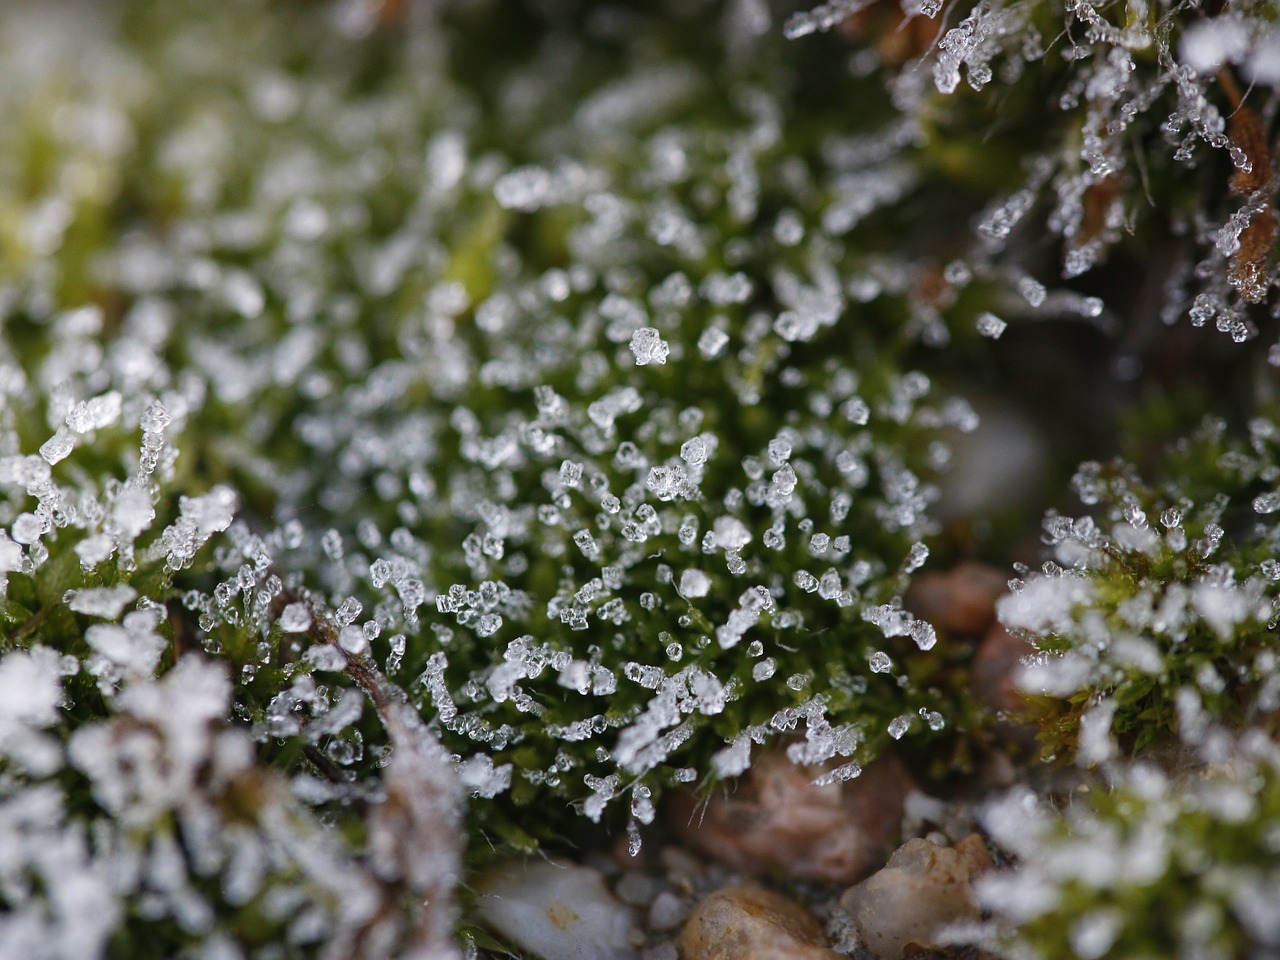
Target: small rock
682, 869
666, 912
635, 888
995, 669
959, 600
778, 821
557, 911
748, 923
924, 887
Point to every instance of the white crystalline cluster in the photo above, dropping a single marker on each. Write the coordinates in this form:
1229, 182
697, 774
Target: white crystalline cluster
1150, 590
544, 401
1117, 76
1076, 869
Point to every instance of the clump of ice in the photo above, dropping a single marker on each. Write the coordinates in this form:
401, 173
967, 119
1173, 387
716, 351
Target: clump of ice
648, 347
105, 602
991, 326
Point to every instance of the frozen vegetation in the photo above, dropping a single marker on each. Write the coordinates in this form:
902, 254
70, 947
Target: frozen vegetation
434, 432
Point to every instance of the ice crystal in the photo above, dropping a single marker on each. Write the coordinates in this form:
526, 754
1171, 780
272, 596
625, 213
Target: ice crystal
610, 413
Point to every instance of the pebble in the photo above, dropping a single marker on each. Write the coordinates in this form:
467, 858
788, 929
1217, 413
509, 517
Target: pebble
555, 910
749, 923
900, 910
778, 822
682, 869
666, 912
960, 600
995, 668
635, 889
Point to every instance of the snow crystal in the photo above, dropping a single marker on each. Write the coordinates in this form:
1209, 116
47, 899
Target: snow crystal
1222, 606
730, 533
135, 647
1094, 933
1208, 44
841, 774
819, 19
991, 326
353, 640
1044, 604
295, 618
923, 634
1263, 66
933, 719
694, 451
347, 611
155, 418
570, 474
479, 775
899, 725
880, 662
712, 342
1032, 291
1267, 502
1095, 741
91, 550
30, 691
648, 347
779, 451
132, 512
211, 513
324, 656
58, 447
105, 602
94, 414
694, 584
733, 759
27, 528
1058, 676
10, 554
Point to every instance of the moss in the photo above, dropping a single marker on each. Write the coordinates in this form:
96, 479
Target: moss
567, 391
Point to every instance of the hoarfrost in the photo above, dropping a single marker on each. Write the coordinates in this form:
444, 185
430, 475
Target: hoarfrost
482, 779
734, 759
648, 347
105, 602
991, 326
134, 646
694, 584
295, 618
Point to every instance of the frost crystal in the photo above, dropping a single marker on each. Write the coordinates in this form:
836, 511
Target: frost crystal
694, 584
134, 647
648, 347
295, 618
58, 447
991, 326
105, 602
